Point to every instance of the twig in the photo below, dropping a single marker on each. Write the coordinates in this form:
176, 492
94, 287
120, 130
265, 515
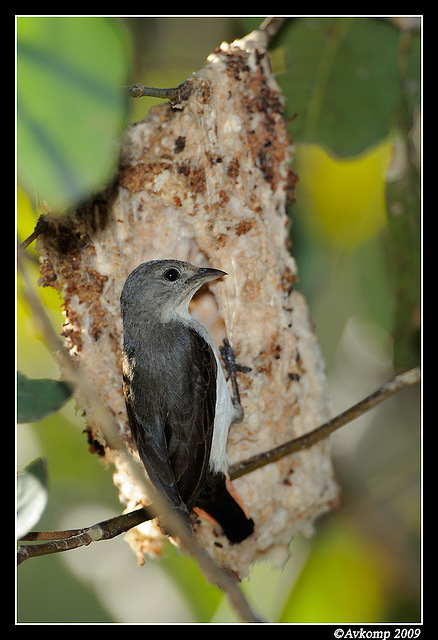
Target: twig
74, 538
138, 90
306, 441
110, 528
40, 227
271, 26
174, 94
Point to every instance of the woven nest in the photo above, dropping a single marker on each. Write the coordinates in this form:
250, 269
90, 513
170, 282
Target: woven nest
207, 181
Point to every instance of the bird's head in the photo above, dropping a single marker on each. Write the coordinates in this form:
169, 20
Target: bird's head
163, 288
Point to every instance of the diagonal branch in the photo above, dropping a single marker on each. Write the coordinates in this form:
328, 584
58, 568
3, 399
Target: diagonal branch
65, 540
306, 441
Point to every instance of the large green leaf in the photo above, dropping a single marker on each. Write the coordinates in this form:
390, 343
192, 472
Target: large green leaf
38, 398
31, 495
71, 105
341, 79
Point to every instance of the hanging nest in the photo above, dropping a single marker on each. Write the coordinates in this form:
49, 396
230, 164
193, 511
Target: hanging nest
206, 180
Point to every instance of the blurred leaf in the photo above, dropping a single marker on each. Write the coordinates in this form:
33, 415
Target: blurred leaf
404, 252
404, 211
71, 106
38, 398
344, 199
343, 580
341, 80
31, 495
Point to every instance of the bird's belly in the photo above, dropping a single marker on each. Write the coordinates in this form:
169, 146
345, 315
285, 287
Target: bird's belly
223, 418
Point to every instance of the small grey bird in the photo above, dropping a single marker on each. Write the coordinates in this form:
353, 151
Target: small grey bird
176, 394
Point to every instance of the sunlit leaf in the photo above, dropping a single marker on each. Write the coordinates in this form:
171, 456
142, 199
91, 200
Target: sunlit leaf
71, 105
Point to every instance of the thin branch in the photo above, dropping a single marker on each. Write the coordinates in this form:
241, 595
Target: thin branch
306, 441
176, 95
109, 528
37, 536
71, 539
74, 538
271, 26
138, 90
40, 227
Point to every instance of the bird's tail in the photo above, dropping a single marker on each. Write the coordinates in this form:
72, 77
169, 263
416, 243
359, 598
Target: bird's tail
220, 501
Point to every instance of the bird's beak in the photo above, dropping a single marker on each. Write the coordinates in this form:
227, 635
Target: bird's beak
205, 274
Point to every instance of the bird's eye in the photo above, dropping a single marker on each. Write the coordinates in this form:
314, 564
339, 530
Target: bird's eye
171, 274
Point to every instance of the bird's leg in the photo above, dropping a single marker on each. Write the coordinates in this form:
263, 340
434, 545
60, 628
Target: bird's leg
232, 367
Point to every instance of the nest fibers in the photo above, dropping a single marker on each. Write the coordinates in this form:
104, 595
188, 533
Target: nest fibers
207, 181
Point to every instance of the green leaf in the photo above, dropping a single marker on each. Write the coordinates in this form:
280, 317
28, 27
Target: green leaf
38, 398
341, 80
71, 104
342, 581
31, 495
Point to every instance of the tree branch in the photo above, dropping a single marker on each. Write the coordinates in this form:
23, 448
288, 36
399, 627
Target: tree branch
174, 94
107, 529
72, 539
66, 540
306, 441
104, 530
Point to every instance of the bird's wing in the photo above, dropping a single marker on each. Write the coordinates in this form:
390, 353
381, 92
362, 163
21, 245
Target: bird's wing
170, 398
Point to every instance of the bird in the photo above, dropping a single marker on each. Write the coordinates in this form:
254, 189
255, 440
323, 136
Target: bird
176, 394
